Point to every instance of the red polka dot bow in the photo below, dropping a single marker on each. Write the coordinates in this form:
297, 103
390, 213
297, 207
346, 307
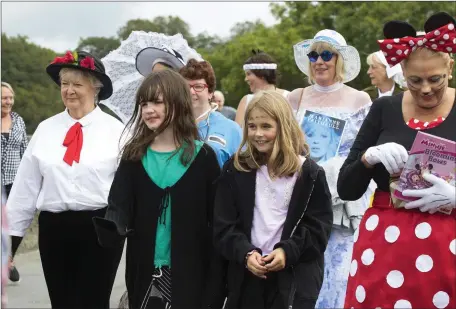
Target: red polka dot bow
442, 39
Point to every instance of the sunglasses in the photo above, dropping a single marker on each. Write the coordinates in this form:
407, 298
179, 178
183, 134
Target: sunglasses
198, 87
325, 55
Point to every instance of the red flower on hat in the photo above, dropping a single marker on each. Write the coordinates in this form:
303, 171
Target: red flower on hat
88, 63
68, 58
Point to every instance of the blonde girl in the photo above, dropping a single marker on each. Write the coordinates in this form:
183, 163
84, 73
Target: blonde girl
273, 214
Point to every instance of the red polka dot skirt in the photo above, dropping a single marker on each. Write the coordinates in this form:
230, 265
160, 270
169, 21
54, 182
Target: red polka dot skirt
403, 259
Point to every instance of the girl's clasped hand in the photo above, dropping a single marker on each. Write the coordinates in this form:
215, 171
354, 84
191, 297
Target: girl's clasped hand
261, 265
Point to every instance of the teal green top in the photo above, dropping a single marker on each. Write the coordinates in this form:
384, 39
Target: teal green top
165, 171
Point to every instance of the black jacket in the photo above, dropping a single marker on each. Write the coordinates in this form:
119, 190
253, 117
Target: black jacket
304, 237
133, 211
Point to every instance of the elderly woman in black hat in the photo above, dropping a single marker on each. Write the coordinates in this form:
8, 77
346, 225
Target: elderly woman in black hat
66, 173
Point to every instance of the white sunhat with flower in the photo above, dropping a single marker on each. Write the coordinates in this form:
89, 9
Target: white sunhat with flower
352, 62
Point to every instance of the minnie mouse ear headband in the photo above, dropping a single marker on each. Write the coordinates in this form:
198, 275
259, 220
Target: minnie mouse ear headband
259, 66
81, 60
401, 39
149, 56
352, 62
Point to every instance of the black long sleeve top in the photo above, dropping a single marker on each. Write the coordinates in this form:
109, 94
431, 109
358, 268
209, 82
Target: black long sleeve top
384, 123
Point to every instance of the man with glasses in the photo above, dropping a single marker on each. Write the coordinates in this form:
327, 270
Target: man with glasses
221, 133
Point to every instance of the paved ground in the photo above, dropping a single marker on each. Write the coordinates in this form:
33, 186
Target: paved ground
31, 292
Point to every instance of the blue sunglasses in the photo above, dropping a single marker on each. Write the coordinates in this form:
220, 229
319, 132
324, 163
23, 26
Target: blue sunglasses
325, 55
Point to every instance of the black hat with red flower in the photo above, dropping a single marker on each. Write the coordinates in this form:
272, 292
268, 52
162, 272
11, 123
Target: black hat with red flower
81, 60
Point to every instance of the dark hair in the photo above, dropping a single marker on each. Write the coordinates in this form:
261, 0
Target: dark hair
178, 109
271, 76
195, 69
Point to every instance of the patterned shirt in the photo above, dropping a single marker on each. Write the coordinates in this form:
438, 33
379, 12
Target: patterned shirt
5, 249
13, 148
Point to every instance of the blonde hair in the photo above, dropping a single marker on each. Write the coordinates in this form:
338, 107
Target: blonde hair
427, 53
76, 74
9, 87
289, 143
320, 47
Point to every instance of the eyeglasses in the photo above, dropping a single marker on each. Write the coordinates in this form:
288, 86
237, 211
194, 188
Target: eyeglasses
325, 55
198, 87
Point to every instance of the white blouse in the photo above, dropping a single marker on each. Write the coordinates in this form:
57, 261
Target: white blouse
387, 93
45, 182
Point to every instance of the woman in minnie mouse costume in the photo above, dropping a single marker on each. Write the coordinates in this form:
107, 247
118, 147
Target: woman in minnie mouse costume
66, 173
405, 257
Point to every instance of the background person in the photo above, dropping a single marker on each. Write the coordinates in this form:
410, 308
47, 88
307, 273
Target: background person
154, 59
261, 73
221, 133
227, 111
386, 80
14, 142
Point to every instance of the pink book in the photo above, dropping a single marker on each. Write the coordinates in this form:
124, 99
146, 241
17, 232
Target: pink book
429, 154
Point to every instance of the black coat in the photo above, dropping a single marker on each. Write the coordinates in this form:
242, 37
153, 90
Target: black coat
301, 280
133, 211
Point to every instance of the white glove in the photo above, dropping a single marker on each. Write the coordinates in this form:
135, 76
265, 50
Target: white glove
392, 155
441, 194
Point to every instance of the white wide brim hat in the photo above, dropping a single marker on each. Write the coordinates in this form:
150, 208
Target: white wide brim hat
352, 62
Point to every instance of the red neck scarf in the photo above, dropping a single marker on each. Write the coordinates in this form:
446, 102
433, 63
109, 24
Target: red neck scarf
73, 142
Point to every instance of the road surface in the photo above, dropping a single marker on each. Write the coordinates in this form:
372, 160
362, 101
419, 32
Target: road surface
31, 292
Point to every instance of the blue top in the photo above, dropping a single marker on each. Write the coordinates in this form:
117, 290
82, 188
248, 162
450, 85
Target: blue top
222, 134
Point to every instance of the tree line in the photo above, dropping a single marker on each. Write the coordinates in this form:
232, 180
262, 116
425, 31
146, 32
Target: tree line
361, 23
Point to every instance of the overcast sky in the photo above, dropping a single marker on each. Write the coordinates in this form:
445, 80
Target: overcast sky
60, 25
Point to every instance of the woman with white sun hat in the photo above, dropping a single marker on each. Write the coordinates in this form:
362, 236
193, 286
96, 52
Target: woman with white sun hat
329, 63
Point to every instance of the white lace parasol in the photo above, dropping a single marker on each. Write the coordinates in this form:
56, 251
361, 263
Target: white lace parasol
120, 67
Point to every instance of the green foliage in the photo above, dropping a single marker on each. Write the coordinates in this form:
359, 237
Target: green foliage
169, 25
229, 58
240, 29
23, 66
361, 23
204, 41
98, 46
